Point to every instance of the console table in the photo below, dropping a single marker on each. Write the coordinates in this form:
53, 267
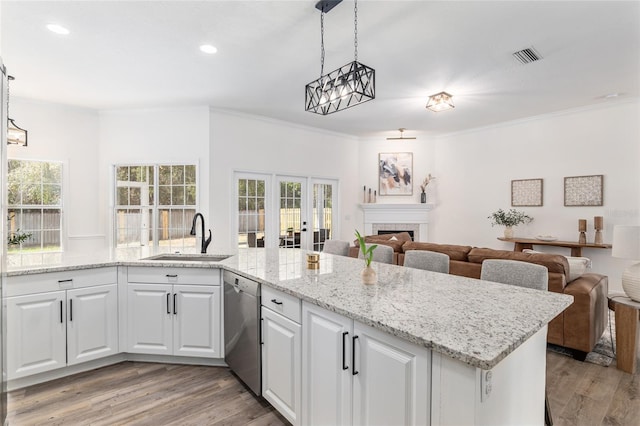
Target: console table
528, 243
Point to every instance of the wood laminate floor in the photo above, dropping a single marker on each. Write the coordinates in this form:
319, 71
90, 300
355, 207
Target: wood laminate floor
134, 393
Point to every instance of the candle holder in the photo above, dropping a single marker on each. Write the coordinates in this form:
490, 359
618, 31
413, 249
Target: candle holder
598, 225
582, 228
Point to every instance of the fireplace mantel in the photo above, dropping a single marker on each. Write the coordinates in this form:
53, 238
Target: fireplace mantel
415, 214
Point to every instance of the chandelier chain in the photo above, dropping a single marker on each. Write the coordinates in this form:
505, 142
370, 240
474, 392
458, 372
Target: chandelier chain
322, 43
355, 29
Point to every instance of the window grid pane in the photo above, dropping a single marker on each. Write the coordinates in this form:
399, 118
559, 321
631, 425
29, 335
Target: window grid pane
164, 222
35, 209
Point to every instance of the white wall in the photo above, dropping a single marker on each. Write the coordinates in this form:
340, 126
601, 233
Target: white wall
474, 172
249, 143
70, 135
163, 135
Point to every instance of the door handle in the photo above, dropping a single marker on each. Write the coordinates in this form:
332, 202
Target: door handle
61, 319
70, 309
168, 309
276, 301
175, 308
344, 367
353, 356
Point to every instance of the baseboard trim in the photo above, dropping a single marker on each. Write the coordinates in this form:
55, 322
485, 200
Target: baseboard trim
23, 382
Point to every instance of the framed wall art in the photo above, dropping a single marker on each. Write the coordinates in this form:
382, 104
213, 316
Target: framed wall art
526, 193
583, 191
395, 173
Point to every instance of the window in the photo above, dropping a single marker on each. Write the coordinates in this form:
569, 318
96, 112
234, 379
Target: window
155, 205
251, 212
34, 195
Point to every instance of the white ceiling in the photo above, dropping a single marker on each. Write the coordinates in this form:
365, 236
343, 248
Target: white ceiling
132, 54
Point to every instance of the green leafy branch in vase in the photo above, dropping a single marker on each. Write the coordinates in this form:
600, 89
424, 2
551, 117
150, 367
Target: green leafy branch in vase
17, 237
367, 252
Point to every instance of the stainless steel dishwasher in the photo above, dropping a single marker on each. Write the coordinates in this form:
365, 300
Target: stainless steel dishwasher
242, 329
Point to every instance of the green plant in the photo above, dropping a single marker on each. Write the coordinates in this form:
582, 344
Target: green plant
511, 218
367, 252
17, 237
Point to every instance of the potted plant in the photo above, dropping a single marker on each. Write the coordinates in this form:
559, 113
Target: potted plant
368, 274
509, 219
17, 237
423, 188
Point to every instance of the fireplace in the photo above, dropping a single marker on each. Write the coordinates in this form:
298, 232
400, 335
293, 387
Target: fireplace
397, 218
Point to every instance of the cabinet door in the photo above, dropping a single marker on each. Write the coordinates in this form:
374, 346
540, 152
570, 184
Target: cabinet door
150, 319
392, 383
92, 323
197, 321
326, 367
281, 364
36, 333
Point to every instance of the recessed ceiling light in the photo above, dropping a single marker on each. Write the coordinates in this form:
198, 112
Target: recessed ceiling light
612, 95
207, 48
58, 29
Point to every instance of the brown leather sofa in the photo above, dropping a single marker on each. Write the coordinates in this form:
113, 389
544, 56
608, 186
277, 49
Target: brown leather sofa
579, 327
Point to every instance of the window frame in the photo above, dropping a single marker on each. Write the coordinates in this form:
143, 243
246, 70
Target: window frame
63, 183
155, 207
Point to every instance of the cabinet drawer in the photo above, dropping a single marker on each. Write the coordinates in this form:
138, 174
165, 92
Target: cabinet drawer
52, 281
168, 275
280, 302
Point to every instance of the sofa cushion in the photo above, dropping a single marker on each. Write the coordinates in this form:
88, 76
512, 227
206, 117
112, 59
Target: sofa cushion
577, 265
553, 262
454, 252
395, 241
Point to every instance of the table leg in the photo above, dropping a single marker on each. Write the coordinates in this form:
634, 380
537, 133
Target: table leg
626, 338
522, 246
576, 251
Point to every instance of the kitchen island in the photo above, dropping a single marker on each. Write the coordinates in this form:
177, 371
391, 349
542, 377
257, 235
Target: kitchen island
436, 348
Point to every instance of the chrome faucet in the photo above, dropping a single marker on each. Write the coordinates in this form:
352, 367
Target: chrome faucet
205, 243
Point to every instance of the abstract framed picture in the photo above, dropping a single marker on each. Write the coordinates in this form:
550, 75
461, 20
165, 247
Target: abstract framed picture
526, 193
395, 173
583, 191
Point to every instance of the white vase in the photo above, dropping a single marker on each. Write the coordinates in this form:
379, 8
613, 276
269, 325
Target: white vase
369, 275
508, 231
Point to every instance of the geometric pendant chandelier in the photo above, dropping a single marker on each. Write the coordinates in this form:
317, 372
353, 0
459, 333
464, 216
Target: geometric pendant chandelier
345, 87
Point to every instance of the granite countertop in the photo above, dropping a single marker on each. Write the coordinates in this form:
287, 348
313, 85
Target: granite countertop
476, 322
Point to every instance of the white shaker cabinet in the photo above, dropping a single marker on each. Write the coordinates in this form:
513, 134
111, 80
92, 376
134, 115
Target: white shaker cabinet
174, 311
354, 374
36, 333
281, 352
77, 322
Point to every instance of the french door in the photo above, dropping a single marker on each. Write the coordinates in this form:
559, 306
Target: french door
285, 211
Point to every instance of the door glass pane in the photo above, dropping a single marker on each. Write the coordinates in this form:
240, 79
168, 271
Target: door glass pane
290, 221
322, 214
251, 212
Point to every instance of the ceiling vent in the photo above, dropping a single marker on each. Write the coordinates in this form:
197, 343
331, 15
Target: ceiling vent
526, 56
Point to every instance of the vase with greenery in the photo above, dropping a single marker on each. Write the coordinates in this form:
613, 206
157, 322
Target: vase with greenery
509, 219
368, 274
17, 237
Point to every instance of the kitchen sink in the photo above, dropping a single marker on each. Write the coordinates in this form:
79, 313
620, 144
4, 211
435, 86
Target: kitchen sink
177, 257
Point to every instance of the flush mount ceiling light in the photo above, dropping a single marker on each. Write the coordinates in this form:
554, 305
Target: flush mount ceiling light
58, 29
349, 85
401, 138
207, 48
15, 134
440, 102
